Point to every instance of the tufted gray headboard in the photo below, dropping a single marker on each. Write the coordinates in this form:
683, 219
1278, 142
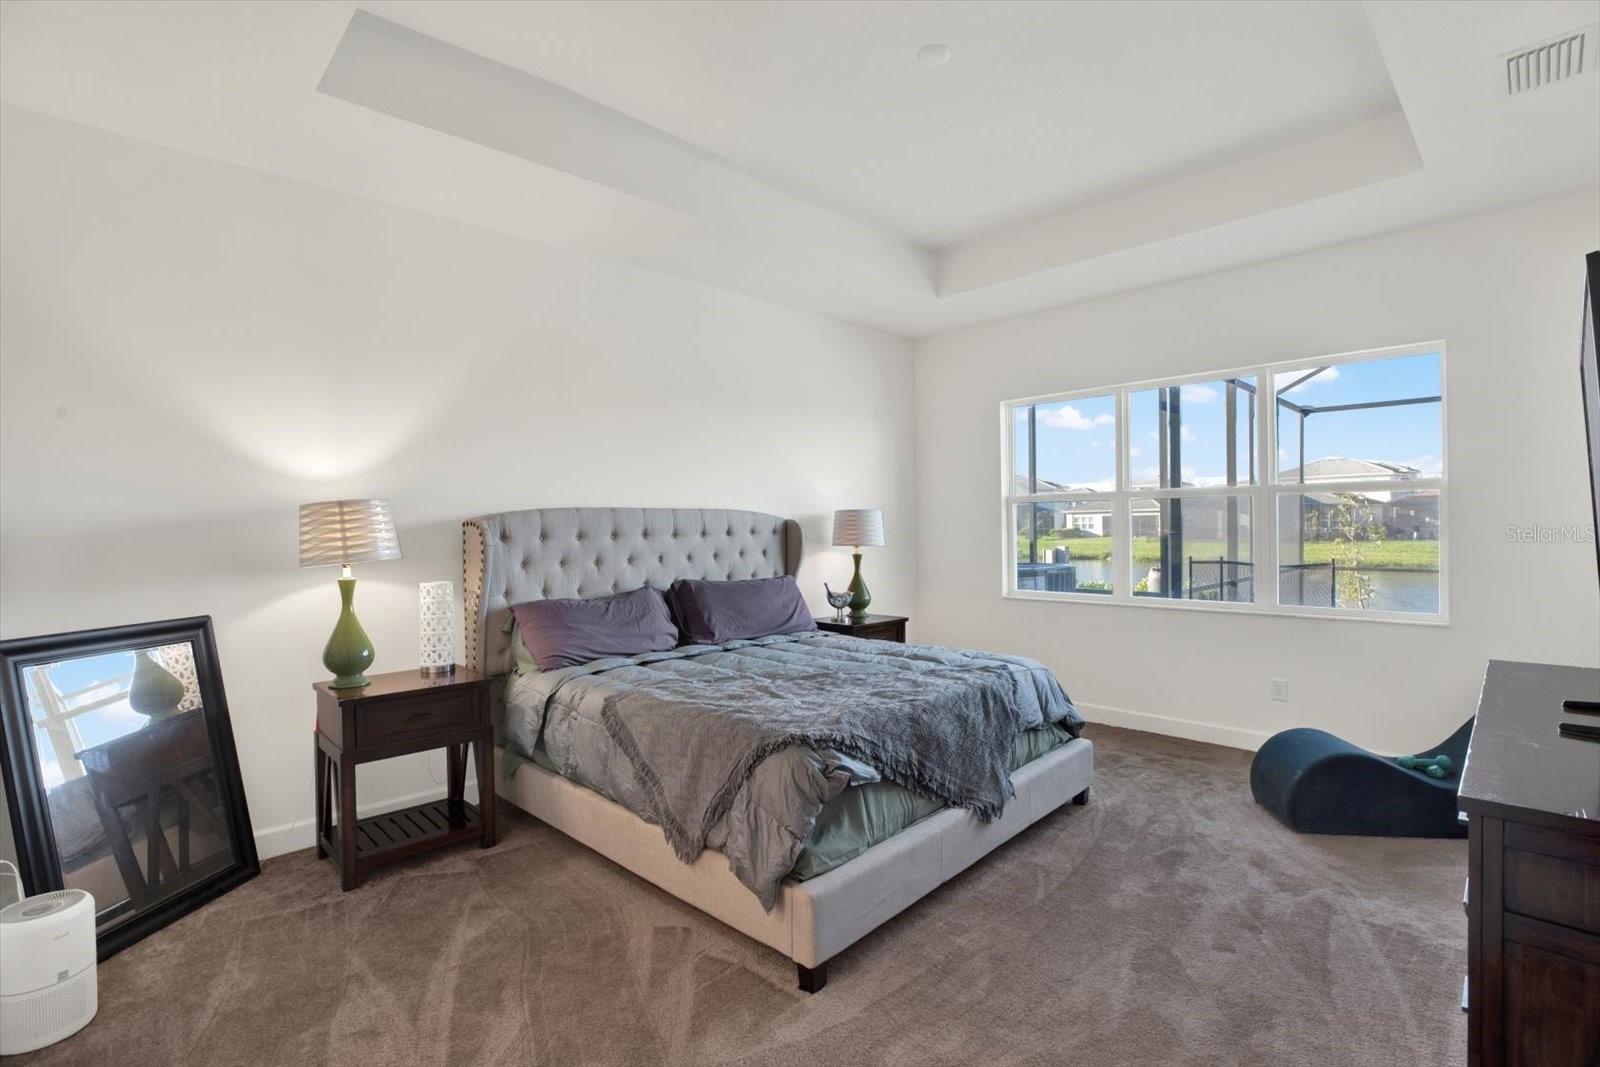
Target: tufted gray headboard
518, 556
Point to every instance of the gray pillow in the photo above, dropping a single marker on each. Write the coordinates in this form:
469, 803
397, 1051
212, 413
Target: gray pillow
565, 633
710, 613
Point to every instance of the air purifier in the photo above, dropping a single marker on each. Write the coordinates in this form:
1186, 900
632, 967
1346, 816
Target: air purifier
47, 967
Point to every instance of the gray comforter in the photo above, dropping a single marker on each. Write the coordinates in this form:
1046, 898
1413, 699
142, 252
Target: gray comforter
739, 746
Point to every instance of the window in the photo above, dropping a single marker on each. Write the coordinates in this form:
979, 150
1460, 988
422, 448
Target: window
1064, 462
1313, 487
1360, 484
1191, 448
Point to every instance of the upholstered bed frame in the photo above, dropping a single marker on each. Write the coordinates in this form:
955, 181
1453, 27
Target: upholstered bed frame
518, 556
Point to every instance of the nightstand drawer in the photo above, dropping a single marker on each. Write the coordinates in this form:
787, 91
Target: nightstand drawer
395, 720
869, 627
888, 631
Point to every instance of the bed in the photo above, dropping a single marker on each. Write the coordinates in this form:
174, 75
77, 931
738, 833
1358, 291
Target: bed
845, 882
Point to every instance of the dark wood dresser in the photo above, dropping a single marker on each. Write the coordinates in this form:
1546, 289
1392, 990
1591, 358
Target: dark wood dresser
1532, 800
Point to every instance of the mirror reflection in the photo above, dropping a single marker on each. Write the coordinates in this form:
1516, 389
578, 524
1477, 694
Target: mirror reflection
126, 760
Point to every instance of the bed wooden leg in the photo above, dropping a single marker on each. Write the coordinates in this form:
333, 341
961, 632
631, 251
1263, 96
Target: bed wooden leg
1082, 798
812, 978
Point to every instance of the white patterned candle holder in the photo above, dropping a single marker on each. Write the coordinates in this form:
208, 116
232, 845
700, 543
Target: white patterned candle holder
436, 606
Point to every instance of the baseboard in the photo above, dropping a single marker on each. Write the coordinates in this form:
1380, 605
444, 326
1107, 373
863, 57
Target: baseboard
292, 836
1231, 736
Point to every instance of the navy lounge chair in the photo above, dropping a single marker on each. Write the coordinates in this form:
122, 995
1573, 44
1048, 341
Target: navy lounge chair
1316, 783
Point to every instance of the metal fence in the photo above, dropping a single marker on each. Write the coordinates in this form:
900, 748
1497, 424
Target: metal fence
1227, 580
1218, 580
1233, 581
1309, 583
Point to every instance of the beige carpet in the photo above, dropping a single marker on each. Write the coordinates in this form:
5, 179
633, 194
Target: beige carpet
1170, 922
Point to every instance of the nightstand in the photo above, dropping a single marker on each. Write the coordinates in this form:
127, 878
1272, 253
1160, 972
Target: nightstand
875, 627
397, 714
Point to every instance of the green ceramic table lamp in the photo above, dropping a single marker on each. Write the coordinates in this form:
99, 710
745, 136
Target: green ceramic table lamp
858, 528
346, 532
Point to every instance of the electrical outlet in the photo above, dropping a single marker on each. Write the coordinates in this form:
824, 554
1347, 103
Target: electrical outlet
1280, 689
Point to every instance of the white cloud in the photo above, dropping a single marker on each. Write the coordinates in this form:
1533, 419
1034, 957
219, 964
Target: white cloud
1428, 464
1134, 452
1185, 434
1194, 477
1067, 417
1198, 394
1283, 378
120, 712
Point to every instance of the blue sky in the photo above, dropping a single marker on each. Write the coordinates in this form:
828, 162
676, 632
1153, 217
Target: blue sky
1077, 439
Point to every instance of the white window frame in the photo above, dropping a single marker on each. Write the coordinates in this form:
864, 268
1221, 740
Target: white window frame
1263, 496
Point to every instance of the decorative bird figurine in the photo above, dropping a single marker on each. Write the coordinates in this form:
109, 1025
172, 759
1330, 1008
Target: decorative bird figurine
837, 601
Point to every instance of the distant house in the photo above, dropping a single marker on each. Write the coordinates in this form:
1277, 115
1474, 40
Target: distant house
1089, 517
1402, 513
1205, 518
1339, 468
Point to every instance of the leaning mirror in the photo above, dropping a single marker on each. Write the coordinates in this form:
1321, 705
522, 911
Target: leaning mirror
120, 772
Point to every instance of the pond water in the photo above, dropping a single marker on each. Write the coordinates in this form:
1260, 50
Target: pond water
1416, 591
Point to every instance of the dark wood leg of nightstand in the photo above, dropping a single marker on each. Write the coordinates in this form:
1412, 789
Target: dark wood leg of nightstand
319, 780
347, 823
484, 748
455, 760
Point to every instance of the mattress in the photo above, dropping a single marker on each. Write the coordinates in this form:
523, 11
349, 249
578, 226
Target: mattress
869, 812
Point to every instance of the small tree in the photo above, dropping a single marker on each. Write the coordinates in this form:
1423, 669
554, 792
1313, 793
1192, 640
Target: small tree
1357, 531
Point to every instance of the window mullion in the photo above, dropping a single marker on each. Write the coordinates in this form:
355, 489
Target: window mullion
1121, 511
1264, 529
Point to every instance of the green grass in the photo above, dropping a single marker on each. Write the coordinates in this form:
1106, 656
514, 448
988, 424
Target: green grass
1381, 555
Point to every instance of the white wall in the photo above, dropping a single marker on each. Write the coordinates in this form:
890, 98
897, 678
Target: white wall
1503, 290
189, 350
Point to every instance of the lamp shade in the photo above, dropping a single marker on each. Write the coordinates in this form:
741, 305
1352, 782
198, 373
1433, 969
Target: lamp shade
347, 531
855, 527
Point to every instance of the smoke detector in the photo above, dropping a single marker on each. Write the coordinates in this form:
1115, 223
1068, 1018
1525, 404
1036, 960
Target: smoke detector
1551, 61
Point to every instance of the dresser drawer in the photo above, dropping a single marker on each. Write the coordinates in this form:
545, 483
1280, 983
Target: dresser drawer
1553, 876
395, 720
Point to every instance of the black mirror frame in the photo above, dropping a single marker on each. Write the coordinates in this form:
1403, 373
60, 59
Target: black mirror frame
26, 797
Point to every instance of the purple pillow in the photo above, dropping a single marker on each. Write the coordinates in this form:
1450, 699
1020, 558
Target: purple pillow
710, 613
565, 633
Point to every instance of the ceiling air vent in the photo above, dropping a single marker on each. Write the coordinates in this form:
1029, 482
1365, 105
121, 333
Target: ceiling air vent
1554, 60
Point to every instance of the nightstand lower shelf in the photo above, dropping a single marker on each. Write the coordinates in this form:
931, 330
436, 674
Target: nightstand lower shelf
413, 829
